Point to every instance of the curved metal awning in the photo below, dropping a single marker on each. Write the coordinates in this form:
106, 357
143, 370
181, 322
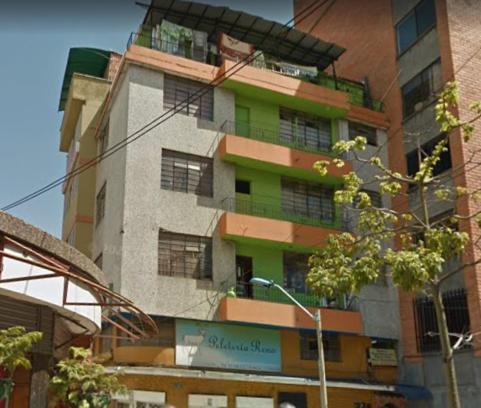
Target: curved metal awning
296, 46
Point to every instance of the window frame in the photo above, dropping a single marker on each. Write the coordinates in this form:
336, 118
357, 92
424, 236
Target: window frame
306, 337
103, 140
100, 201
360, 129
187, 173
413, 12
175, 249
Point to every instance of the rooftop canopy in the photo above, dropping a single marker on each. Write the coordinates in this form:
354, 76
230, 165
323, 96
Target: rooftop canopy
89, 61
287, 43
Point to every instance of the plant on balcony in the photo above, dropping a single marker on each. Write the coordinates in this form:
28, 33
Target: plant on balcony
15, 344
424, 245
79, 382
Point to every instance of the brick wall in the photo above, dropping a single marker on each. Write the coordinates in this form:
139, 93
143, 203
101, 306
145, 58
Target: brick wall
365, 28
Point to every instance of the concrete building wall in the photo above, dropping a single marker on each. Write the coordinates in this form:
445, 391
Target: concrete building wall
148, 208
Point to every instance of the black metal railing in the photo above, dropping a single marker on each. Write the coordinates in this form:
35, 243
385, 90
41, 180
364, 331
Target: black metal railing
276, 135
457, 316
245, 290
275, 209
185, 49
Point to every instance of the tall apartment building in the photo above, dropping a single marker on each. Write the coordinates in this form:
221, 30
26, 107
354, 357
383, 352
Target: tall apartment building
224, 190
407, 50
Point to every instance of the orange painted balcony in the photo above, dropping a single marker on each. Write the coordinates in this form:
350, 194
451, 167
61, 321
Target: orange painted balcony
273, 232
265, 155
285, 315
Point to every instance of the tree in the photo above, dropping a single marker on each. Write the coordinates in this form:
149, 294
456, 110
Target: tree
81, 383
15, 344
423, 246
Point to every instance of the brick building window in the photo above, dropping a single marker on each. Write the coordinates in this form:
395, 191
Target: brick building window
100, 204
413, 159
331, 344
418, 21
305, 199
457, 316
358, 129
421, 89
305, 131
187, 173
186, 256
192, 98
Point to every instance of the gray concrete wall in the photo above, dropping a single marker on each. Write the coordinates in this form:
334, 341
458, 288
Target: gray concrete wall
147, 207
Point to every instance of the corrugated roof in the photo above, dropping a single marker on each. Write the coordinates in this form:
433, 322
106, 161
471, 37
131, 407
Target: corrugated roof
296, 46
90, 61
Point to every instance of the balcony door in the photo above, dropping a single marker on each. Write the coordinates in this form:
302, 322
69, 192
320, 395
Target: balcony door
244, 274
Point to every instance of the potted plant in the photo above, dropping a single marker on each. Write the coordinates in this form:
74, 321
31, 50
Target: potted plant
79, 382
15, 344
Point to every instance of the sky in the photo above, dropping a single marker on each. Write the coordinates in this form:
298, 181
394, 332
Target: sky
35, 37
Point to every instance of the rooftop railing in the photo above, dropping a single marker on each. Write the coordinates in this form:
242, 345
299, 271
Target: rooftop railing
307, 141
275, 209
357, 92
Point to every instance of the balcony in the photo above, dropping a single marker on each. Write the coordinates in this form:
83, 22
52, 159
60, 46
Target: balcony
271, 207
340, 92
280, 314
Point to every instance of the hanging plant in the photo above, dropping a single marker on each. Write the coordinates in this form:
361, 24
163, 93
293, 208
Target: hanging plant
81, 383
15, 344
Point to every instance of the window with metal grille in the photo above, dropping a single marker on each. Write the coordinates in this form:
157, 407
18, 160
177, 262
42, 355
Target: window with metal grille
187, 173
305, 131
331, 344
417, 22
187, 256
103, 138
305, 199
421, 89
375, 196
358, 129
192, 98
413, 158
295, 271
100, 204
457, 316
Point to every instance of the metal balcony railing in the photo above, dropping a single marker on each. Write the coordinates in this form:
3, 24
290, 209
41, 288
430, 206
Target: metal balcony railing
245, 290
324, 216
264, 133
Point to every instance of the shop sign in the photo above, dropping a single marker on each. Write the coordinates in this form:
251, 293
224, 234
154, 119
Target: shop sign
382, 357
216, 345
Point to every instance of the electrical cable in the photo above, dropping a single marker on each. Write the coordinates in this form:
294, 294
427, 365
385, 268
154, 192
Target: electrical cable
162, 118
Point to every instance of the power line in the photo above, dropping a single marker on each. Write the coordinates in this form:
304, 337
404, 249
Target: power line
163, 117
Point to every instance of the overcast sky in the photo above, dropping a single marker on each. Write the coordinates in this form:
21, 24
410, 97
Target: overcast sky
35, 37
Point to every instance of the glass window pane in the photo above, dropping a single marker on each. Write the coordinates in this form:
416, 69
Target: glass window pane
207, 401
406, 32
425, 16
254, 402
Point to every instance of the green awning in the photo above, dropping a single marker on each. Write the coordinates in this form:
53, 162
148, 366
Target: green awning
89, 61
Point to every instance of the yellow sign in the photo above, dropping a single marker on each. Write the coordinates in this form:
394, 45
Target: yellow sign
382, 357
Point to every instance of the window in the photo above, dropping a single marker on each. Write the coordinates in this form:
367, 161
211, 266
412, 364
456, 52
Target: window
140, 399
187, 173
297, 399
100, 204
421, 89
331, 344
457, 316
189, 97
207, 401
375, 196
304, 199
305, 131
254, 402
362, 405
412, 158
103, 138
358, 129
187, 256
420, 20
295, 271
242, 187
